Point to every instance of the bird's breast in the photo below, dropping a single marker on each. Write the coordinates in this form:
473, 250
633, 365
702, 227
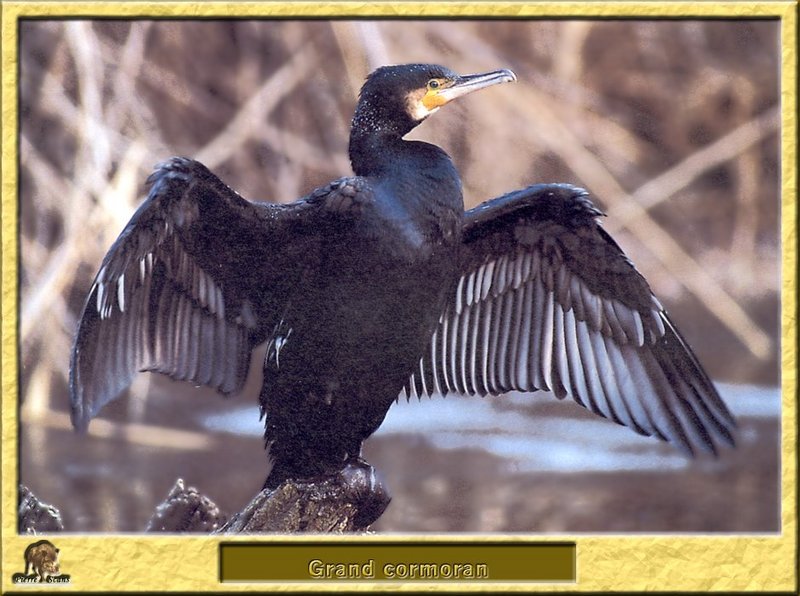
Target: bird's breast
415, 219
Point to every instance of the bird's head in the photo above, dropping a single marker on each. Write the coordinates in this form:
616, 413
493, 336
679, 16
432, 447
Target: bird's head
397, 98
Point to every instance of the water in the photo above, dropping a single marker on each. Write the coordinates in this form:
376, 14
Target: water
532, 431
514, 463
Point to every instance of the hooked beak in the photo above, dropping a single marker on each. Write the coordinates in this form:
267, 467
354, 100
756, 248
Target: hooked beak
469, 83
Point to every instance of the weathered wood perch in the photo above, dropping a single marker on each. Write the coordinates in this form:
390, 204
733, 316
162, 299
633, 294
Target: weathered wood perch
36, 517
185, 510
330, 505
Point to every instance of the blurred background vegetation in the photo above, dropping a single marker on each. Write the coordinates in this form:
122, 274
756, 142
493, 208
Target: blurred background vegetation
672, 125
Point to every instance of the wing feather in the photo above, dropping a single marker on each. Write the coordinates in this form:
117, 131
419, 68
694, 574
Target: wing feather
504, 341
535, 363
562, 386
443, 333
524, 352
547, 326
494, 339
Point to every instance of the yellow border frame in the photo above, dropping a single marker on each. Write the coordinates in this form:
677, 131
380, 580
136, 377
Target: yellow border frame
682, 563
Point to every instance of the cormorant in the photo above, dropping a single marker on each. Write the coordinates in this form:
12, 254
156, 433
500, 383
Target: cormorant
380, 284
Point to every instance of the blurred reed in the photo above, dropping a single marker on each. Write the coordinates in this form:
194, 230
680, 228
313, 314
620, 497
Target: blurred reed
672, 125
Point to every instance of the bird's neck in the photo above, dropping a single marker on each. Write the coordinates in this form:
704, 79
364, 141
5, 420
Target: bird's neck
376, 136
383, 153
420, 175
373, 154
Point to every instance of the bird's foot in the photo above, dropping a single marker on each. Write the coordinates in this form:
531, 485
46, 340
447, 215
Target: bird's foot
346, 498
366, 489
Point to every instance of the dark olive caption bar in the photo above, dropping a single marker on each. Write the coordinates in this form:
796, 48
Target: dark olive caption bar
397, 561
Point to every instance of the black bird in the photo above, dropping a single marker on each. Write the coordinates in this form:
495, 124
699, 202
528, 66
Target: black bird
380, 284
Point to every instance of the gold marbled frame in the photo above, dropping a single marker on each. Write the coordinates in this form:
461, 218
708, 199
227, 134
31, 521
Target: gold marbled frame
637, 562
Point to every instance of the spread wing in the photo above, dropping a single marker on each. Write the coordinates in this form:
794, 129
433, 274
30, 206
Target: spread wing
547, 300
195, 281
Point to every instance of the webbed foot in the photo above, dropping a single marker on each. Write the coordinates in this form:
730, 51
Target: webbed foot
367, 490
348, 498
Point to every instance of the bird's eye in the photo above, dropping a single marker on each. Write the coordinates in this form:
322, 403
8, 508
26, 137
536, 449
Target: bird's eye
433, 84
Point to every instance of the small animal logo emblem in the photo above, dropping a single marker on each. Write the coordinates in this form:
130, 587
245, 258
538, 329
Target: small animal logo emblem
41, 565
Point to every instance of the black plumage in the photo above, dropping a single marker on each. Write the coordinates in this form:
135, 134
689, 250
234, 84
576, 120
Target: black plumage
381, 284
